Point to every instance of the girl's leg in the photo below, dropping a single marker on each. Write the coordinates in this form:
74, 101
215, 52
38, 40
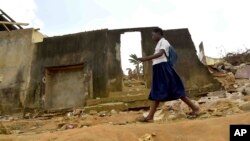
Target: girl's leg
153, 109
195, 109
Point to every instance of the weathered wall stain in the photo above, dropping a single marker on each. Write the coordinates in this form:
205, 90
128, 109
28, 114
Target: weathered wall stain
17, 52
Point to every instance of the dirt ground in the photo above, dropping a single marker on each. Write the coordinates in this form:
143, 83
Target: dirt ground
189, 130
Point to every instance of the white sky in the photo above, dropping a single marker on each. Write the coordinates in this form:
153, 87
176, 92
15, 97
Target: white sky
223, 25
130, 44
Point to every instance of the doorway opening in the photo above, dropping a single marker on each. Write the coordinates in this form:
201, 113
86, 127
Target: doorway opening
131, 49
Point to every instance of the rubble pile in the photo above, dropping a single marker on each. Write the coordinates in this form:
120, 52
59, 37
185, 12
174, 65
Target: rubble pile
227, 74
215, 104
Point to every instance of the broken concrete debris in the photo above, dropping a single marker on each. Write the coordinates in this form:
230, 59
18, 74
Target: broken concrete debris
215, 104
147, 137
243, 72
245, 106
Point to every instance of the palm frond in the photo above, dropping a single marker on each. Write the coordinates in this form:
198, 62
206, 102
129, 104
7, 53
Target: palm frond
133, 59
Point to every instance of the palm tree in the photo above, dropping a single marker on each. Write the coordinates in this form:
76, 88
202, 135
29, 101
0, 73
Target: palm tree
134, 60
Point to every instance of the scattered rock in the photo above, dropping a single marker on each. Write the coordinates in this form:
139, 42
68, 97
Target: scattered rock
172, 117
60, 125
206, 115
236, 86
69, 126
78, 112
85, 124
32, 128
218, 114
246, 98
16, 132
211, 109
246, 91
245, 107
113, 112
4, 130
120, 123
147, 137
220, 94
10, 119
103, 113
70, 114
27, 116
93, 112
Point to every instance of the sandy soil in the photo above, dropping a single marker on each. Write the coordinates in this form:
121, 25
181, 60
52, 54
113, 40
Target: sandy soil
189, 130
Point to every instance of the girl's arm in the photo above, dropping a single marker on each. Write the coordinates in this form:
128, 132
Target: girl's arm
148, 58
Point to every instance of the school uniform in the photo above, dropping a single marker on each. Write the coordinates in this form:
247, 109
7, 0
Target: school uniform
166, 83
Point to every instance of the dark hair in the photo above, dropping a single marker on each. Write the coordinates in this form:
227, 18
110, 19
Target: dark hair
158, 30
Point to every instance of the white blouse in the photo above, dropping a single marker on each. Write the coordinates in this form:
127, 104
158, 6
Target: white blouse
162, 44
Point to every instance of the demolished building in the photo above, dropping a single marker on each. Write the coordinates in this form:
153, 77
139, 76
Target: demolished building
64, 71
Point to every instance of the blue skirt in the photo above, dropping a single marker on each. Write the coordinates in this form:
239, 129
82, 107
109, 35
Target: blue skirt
166, 83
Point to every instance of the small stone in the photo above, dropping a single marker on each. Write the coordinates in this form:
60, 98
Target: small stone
201, 102
93, 112
32, 128
15, 132
4, 130
103, 113
246, 98
147, 137
181, 115
60, 125
172, 117
69, 126
211, 109
205, 115
245, 107
120, 123
10, 118
235, 86
78, 112
218, 114
70, 114
113, 112
87, 124
28, 116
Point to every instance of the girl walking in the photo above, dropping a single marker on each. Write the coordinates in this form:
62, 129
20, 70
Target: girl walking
166, 83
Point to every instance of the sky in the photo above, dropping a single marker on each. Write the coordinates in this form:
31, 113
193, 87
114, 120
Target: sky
222, 25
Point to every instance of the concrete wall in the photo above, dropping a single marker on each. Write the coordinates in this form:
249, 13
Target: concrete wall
114, 61
17, 50
25, 67
87, 48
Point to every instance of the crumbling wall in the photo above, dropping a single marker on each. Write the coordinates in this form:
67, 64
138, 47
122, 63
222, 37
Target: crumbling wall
87, 48
115, 74
24, 65
16, 55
